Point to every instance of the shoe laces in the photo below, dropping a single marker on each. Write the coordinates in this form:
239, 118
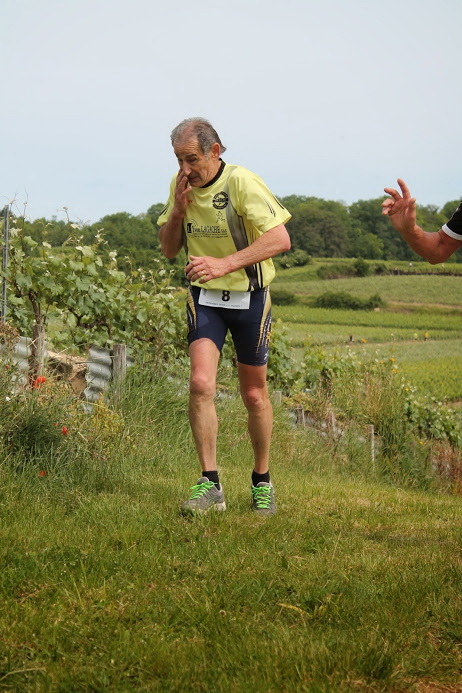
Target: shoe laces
199, 490
262, 496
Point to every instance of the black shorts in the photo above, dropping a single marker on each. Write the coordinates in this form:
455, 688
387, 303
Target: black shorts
250, 328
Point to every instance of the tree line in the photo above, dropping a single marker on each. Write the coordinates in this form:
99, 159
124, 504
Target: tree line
320, 228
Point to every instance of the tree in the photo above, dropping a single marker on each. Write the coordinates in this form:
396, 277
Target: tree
366, 245
320, 228
366, 217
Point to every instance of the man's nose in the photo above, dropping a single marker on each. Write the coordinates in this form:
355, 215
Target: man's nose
186, 169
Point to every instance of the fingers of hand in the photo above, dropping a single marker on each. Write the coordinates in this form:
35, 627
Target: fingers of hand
394, 193
404, 188
195, 273
386, 206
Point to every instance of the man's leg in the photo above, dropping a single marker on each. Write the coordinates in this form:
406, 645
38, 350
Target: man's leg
254, 392
204, 357
207, 494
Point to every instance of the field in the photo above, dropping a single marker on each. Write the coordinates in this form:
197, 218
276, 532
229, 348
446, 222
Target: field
420, 324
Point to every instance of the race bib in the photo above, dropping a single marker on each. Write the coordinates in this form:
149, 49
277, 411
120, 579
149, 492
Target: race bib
216, 298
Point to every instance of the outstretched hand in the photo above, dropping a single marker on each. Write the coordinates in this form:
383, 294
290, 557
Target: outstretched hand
401, 208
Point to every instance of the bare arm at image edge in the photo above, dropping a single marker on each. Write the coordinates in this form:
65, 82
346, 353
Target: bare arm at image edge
401, 210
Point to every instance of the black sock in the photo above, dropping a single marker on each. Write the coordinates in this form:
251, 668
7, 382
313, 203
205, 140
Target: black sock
212, 476
256, 478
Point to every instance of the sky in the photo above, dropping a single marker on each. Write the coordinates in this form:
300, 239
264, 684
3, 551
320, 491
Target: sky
326, 98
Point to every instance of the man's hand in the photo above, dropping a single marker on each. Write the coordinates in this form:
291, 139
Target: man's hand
182, 188
400, 209
203, 269
171, 233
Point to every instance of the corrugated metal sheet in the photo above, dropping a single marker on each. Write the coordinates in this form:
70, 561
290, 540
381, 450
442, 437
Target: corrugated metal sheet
20, 358
99, 372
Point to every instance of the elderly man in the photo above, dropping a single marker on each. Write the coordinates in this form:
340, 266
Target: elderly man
231, 226
434, 247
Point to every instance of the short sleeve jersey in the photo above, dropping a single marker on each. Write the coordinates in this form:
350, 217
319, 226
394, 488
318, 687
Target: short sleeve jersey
226, 215
453, 227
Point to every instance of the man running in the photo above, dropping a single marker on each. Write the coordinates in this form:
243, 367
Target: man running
434, 247
231, 226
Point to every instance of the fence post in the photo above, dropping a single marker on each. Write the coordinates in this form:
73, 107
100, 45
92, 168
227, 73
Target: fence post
300, 415
119, 365
38, 351
371, 433
6, 212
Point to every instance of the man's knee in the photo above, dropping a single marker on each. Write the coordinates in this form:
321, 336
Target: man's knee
255, 398
200, 385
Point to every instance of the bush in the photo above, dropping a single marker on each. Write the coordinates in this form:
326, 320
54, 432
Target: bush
362, 268
372, 392
297, 258
336, 271
344, 300
282, 297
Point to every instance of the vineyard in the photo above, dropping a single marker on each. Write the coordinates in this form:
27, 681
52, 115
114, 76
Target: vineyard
420, 325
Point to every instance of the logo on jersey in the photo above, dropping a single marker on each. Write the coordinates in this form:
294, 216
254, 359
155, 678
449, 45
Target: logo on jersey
190, 226
205, 230
221, 199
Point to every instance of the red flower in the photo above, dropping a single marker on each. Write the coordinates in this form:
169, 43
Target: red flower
64, 431
42, 473
39, 381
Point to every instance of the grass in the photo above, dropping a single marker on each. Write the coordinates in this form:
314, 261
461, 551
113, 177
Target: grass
353, 586
427, 289
448, 324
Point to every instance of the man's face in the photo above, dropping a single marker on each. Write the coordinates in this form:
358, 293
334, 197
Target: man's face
200, 168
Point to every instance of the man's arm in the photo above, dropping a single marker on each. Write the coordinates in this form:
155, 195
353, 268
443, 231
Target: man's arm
171, 233
401, 209
269, 244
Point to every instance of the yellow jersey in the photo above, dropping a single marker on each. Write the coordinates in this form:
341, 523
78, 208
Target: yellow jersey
226, 215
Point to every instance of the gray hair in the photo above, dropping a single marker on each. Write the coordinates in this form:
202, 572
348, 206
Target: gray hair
202, 130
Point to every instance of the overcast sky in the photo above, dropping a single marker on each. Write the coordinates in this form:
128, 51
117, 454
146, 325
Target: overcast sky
331, 98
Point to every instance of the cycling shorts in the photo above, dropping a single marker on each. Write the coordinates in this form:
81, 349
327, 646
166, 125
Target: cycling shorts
250, 328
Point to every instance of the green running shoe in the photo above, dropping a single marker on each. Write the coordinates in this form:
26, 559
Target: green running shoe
263, 499
204, 497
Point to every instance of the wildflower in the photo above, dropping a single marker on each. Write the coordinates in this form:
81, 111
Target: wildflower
42, 473
363, 341
392, 359
38, 382
64, 431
